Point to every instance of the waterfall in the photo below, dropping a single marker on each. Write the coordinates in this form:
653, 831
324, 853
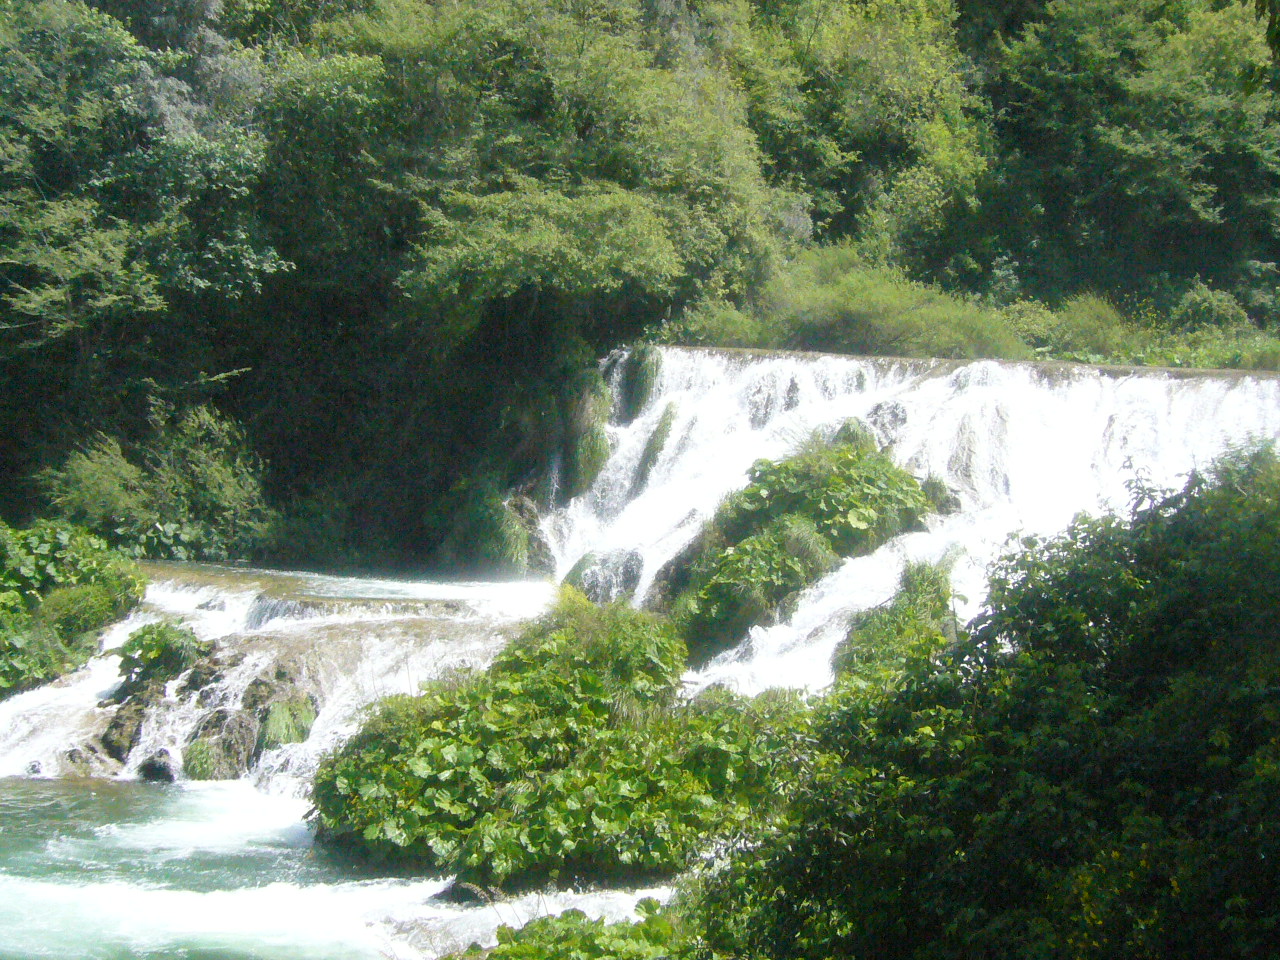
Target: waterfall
1025, 446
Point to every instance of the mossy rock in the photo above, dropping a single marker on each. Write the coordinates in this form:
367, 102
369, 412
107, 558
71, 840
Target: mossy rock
224, 746
587, 458
606, 578
639, 379
654, 446
857, 435
72, 611
286, 721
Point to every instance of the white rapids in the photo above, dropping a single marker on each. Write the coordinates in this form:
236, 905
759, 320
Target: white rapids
1026, 446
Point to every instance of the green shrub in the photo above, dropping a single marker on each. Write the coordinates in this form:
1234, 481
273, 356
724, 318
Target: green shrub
485, 533
192, 490
787, 527
569, 757
572, 936
716, 323
750, 579
879, 640
855, 495
71, 611
1091, 329
48, 555
1202, 306
829, 299
159, 651
1091, 772
58, 586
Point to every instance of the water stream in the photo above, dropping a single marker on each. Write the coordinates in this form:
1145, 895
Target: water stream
95, 863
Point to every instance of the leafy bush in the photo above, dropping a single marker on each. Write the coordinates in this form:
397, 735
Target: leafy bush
790, 525
572, 936
159, 651
58, 586
1202, 306
831, 299
751, 578
192, 490
71, 611
48, 555
879, 639
1090, 329
568, 757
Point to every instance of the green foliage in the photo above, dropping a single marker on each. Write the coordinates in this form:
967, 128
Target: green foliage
572, 936
72, 611
287, 721
1089, 774
47, 555
854, 494
916, 619
831, 299
750, 579
791, 524
1137, 139
197, 495
159, 651
567, 758
58, 586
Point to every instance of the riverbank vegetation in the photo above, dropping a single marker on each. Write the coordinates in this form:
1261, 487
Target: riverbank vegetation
326, 283
59, 586
1088, 770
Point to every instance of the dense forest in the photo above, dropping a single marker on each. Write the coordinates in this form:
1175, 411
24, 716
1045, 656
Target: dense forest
326, 281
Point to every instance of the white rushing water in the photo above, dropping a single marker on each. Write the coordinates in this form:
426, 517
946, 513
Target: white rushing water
1025, 446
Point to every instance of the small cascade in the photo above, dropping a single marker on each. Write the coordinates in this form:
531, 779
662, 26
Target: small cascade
1025, 446
338, 643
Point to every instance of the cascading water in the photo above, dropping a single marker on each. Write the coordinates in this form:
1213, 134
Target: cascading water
1025, 446
110, 867
113, 868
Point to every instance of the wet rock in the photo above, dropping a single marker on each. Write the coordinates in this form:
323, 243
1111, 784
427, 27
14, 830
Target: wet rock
608, 577
158, 768
223, 747
121, 735
674, 576
888, 418
467, 894
202, 674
